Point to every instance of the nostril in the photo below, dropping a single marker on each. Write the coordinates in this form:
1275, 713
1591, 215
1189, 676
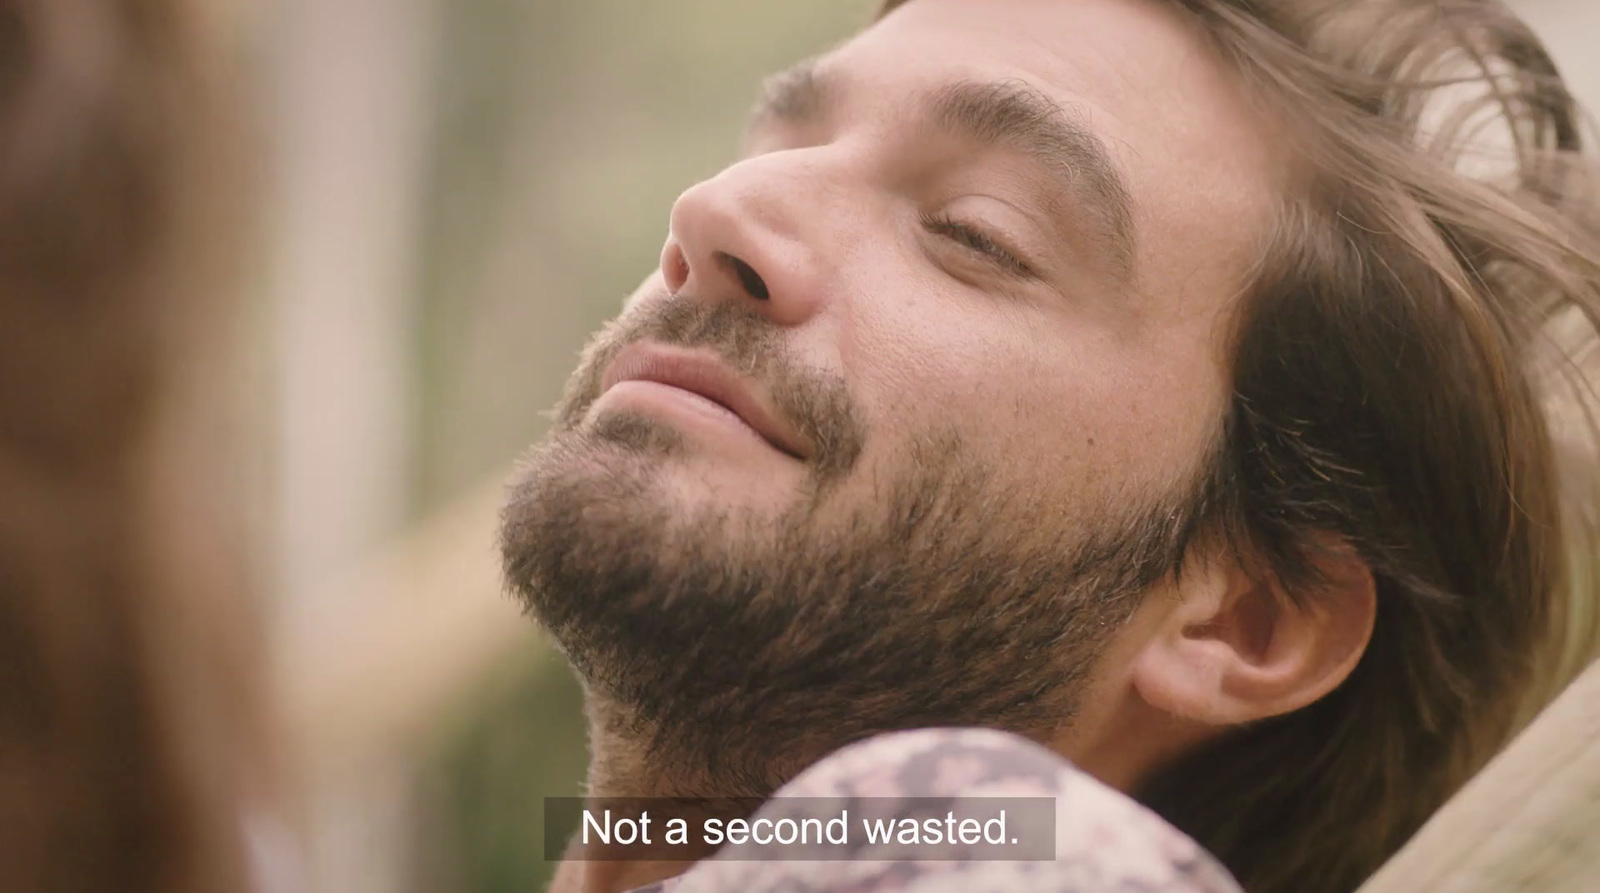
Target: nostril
751, 280
674, 266
748, 277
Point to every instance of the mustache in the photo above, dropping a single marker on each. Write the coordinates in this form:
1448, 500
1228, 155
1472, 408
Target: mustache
817, 403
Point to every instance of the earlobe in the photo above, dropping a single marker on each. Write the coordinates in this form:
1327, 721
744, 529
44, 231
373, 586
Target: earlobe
1239, 649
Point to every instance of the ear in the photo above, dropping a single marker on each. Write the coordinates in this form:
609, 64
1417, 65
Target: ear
1237, 649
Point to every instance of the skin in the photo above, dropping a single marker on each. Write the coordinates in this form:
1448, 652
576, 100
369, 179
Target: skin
1070, 383
1065, 379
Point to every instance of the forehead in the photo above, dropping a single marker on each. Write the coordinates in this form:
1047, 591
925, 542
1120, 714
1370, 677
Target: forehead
1203, 165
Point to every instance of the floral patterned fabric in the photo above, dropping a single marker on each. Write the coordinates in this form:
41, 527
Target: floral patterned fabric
1105, 842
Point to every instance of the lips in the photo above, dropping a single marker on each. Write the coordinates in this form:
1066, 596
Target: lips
706, 376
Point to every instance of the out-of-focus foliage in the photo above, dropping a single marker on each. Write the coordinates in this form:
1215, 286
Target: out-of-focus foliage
563, 132
526, 742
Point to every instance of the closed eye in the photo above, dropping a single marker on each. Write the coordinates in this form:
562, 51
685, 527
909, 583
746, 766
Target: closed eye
975, 239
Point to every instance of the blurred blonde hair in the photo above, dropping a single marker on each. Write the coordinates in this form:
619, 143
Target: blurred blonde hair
128, 703
1407, 375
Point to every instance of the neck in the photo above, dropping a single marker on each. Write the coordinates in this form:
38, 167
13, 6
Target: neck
627, 762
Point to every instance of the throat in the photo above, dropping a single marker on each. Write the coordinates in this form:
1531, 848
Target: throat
631, 757
631, 761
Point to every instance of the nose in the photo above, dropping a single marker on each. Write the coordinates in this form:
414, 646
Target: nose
749, 234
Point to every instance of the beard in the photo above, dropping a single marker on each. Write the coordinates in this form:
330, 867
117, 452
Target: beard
741, 647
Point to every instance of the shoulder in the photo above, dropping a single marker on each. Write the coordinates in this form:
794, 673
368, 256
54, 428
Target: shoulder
1095, 838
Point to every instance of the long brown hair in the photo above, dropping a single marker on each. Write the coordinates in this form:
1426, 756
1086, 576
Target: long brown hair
1406, 376
123, 686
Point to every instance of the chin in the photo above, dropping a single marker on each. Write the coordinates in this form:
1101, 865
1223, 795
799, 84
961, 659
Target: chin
636, 483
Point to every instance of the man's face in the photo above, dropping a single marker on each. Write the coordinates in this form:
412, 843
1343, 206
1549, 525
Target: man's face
964, 293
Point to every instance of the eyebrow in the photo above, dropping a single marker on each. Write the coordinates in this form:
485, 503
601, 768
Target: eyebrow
1009, 113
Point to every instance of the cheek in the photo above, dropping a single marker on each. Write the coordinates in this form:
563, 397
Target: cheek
1049, 406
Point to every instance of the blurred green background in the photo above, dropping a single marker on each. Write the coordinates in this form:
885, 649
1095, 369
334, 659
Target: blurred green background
462, 190
565, 131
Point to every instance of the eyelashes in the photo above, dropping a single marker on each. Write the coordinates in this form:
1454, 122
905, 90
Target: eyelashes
974, 238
